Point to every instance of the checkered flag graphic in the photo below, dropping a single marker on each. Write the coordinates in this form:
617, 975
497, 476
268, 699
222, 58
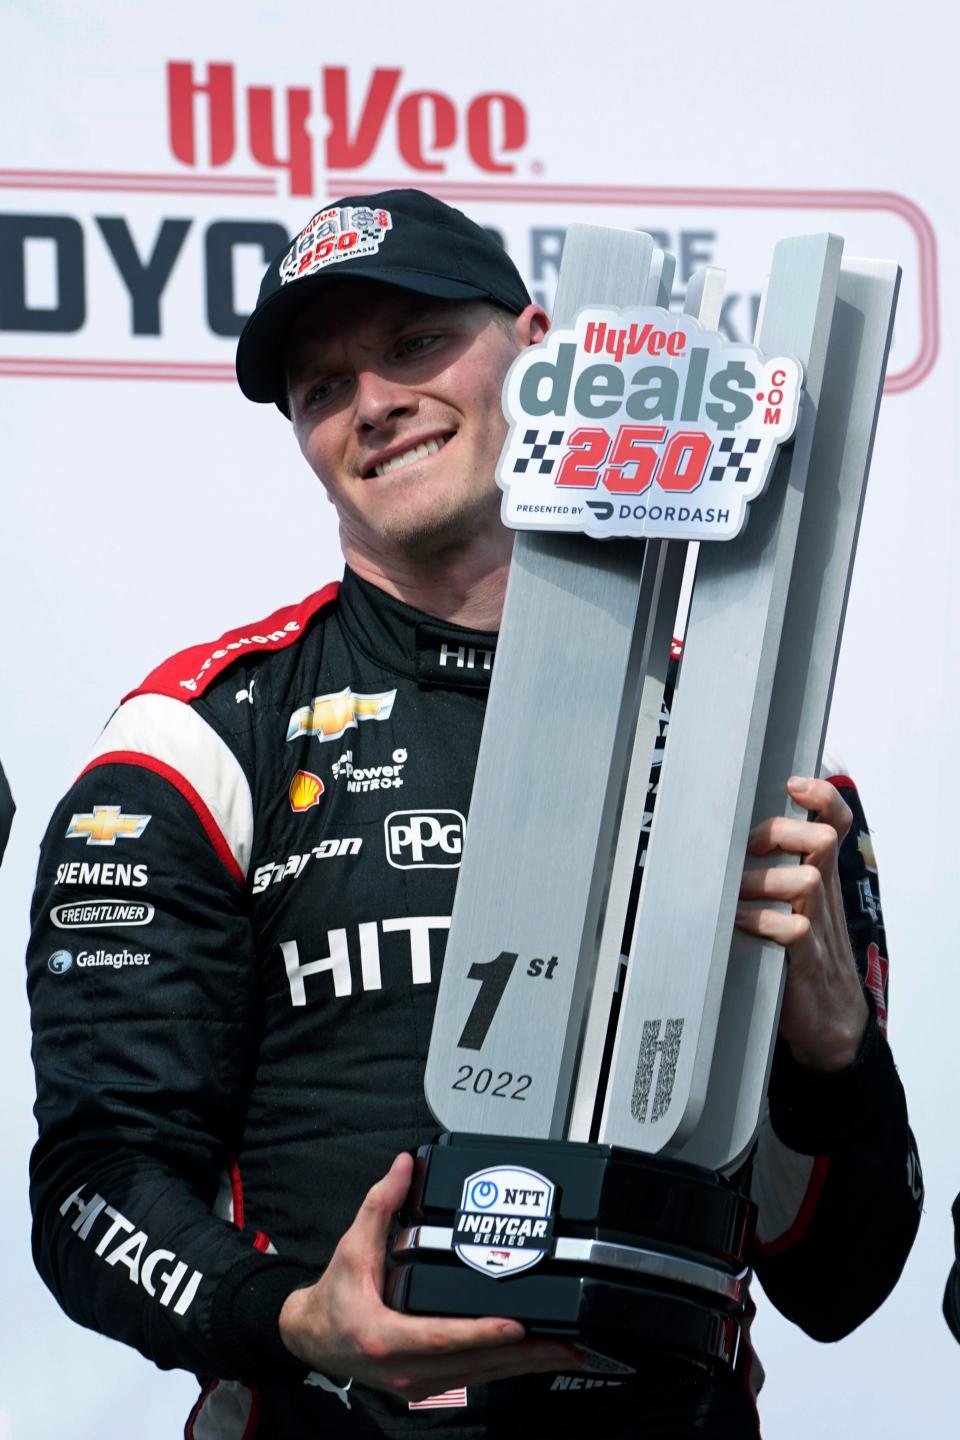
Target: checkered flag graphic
733, 459
538, 451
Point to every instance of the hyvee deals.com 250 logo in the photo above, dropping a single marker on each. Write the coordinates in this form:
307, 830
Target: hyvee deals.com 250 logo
652, 426
97, 266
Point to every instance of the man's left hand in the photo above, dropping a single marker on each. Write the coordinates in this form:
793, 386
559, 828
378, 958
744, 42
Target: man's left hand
824, 1012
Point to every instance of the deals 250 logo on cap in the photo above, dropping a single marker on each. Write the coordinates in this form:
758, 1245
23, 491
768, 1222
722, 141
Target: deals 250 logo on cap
639, 422
344, 232
505, 1220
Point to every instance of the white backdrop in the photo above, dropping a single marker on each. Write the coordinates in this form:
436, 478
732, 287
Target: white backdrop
146, 505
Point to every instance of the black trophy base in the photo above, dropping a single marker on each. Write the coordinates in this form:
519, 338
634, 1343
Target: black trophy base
637, 1259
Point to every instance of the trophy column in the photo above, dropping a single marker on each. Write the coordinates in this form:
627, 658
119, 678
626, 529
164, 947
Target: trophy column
582, 1185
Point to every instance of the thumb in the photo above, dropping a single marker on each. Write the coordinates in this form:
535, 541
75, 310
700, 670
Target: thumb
382, 1201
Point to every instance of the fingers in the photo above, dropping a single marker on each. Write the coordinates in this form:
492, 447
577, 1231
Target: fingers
794, 884
416, 1380
340, 1325
792, 930
823, 798
414, 1334
815, 841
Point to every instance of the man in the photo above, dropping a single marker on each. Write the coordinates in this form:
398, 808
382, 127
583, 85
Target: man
230, 1076
7, 809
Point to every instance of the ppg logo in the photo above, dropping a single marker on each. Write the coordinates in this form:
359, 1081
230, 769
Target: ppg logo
60, 961
424, 839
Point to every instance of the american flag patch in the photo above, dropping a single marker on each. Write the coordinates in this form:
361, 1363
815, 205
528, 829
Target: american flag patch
450, 1399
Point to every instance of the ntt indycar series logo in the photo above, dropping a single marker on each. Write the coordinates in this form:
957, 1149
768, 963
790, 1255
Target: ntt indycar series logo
640, 422
505, 1220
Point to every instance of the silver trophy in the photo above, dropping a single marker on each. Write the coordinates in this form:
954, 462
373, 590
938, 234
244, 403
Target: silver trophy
600, 1061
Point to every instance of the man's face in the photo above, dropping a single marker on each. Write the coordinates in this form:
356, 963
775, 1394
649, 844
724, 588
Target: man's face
395, 402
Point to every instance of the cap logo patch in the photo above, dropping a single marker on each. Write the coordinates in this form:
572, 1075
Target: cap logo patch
345, 232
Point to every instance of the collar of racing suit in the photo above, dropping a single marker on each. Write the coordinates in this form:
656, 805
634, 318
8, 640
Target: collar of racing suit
430, 651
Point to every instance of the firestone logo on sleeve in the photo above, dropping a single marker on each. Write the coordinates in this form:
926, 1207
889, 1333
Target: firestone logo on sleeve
339, 233
222, 651
642, 423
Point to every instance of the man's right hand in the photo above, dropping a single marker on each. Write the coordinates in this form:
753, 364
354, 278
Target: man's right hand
341, 1327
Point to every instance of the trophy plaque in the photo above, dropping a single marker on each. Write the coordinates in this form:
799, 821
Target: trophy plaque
603, 1036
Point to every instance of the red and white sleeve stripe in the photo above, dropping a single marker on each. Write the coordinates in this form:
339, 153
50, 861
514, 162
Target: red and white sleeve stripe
173, 740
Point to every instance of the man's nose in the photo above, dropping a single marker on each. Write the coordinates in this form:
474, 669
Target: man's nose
380, 400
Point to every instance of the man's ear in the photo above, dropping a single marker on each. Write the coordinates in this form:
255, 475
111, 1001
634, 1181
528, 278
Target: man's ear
531, 325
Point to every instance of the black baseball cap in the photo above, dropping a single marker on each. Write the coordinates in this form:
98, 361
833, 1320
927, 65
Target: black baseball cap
400, 237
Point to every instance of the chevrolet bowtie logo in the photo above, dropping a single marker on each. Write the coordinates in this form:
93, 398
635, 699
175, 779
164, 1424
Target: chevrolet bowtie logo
330, 716
105, 824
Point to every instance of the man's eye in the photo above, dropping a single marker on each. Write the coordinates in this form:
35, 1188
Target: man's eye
416, 344
319, 393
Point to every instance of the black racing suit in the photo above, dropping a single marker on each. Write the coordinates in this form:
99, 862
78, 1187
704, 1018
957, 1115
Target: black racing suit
238, 929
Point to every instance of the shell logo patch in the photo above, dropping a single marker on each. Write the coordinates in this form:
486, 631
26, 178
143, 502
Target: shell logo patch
305, 791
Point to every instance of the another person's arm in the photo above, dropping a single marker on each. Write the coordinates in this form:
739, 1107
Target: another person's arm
7, 809
951, 1294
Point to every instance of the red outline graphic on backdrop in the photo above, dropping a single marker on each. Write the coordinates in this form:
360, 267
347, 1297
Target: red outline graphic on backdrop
507, 193
137, 184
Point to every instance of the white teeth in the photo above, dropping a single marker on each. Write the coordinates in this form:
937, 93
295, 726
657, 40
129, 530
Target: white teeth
418, 452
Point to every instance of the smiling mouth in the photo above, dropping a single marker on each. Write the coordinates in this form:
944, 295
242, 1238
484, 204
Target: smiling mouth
406, 457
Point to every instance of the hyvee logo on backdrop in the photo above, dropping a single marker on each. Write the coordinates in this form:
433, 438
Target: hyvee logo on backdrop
193, 278
166, 239
209, 109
